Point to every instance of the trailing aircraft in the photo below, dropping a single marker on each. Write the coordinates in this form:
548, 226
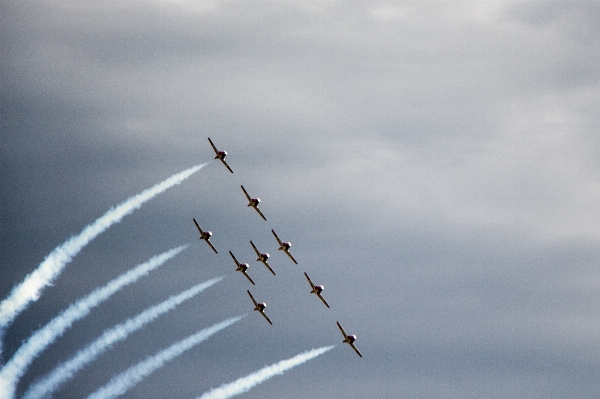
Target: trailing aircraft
260, 307
284, 246
205, 235
262, 257
253, 202
316, 289
242, 267
349, 339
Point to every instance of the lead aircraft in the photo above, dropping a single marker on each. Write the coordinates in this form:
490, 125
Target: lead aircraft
205, 235
260, 307
220, 155
349, 339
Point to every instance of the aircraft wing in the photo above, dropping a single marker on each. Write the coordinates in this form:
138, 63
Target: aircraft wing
248, 277
260, 213
323, 299
268, 267
211, 245
247, 195
251, 297
291, 257
213, 146
355, 350
255, 249
225, 163
234, 259
198, 226
267, 317
310, 282
277, 238
340, 327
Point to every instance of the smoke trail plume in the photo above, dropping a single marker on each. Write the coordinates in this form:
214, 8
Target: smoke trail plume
244, 384
121, 383
67, 370
30, 288
16, 367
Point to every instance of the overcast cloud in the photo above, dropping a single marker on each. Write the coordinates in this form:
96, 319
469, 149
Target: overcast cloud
434, 163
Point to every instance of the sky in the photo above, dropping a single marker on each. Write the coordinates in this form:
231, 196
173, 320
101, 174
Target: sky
435, 165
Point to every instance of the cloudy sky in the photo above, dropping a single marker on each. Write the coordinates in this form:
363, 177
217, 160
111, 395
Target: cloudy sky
434, 163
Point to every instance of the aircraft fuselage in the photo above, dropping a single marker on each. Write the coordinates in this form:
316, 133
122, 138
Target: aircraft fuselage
260, 307
206, 235
350, 339
285, 246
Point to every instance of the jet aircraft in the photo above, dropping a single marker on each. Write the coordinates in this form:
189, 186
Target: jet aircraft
260, 307
316, 289
262, 257
253, 202
284, 246
242, 267
205, 235
220, 155
349, 339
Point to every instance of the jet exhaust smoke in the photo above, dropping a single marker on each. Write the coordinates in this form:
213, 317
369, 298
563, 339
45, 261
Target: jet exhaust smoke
30, 288
121, 383
16, 367
68, 369
244, 384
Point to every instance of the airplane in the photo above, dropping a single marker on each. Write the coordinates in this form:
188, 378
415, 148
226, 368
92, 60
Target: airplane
205, 235
316, 289
259, 307
242, 267
220, 155
284, 246
253, 202
349, 339
262, 257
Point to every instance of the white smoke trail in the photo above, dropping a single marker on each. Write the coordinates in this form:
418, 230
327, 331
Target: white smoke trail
121, 383
16, 367
30, 288
67, 370
244, 384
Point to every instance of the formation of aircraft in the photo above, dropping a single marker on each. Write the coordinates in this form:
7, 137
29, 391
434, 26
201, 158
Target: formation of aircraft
260, 307
253, 202
220, 155
349, 339
316, 289
205, 235
284, 246
263, 257
242, 267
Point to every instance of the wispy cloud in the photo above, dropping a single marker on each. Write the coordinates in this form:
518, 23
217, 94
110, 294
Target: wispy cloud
14, 369
67, 370
30, 289
244, 384
121, 383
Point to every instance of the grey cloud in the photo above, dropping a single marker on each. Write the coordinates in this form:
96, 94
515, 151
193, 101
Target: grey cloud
434, 165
